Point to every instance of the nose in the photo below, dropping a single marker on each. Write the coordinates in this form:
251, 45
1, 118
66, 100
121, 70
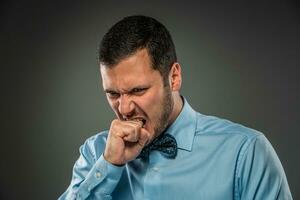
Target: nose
126, 106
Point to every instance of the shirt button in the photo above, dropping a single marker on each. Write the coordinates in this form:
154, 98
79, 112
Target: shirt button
156, 169
98, 175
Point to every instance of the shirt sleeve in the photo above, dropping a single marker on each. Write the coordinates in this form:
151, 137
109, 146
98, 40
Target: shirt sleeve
92, 179
260, 174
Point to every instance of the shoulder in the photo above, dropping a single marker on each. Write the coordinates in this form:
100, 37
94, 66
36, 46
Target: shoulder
95, 144
97, 138
244, 144
229, 136
212, 125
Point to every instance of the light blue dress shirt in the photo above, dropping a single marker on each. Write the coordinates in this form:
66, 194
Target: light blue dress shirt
217, 160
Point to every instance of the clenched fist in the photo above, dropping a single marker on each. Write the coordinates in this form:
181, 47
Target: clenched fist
125, 141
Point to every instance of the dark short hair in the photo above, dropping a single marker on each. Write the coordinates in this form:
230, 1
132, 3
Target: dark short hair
134, 33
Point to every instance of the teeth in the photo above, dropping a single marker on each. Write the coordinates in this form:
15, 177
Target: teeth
136, 120
140, 120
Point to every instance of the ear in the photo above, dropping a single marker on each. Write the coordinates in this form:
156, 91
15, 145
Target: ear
175, 77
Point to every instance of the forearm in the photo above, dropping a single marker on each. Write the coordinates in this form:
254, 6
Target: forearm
99, 182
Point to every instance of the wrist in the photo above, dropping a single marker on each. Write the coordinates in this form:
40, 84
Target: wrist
117, 164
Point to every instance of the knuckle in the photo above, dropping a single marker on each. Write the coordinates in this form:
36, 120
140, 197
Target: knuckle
115, 122
137, 129
115, 128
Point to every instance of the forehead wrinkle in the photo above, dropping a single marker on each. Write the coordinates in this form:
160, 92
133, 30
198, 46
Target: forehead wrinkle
120, 84
134, 71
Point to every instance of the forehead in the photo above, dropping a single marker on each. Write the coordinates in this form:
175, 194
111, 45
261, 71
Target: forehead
133, 71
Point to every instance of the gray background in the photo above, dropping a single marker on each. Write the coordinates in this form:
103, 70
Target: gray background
240, 61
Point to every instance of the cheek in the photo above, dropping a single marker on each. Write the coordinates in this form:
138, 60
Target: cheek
151, 103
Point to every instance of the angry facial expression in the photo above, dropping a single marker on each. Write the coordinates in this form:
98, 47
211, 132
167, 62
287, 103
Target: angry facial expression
135, 91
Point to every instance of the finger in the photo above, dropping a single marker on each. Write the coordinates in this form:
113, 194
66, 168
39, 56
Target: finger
144, 137
136, 122
132, 132
116, 129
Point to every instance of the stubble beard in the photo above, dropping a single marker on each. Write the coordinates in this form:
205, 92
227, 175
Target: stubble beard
167, 108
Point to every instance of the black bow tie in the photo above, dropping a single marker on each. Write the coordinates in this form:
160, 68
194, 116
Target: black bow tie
165, 143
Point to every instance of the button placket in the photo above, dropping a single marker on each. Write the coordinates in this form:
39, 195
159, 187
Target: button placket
98, 175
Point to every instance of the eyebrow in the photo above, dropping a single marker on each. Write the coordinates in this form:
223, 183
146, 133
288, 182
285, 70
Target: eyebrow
126, 91
109, 91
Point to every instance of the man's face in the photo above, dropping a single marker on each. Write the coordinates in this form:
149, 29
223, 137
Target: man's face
135, 91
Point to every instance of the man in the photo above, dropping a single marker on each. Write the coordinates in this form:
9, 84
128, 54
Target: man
158, 147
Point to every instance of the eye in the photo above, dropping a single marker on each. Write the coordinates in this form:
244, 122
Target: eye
138, 91
112, 94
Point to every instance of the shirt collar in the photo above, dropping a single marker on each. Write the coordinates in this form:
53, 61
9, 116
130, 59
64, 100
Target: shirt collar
184, 127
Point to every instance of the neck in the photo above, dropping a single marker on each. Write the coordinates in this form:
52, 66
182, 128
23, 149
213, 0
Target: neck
178, 104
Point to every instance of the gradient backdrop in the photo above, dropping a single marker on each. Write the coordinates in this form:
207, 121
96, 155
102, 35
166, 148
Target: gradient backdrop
240, 61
